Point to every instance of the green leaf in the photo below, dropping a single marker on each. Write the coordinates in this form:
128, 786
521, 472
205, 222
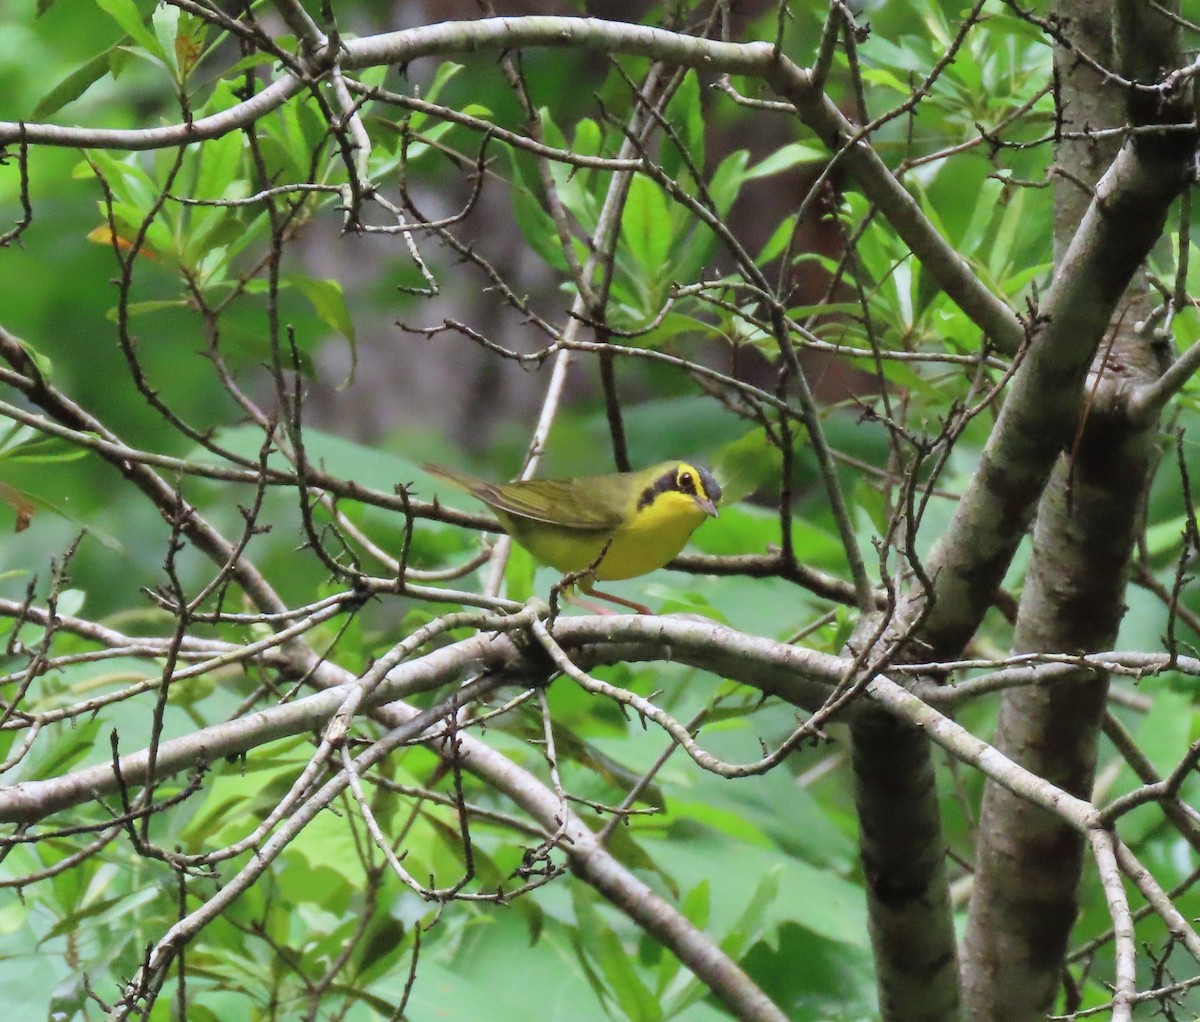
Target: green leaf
777, 242
697, 905
30, 453
289, 151
685, 113
1164, 538
786, 158
965, 199
1011, 224
121, 906
142, 308
697, 908
750, 922
570, 185
880, 76
835, 985
128, 181
327, 301
73, 86
646, 226
1162, 735
63, 755
15, 436
728, 179
125, 14
747, 464
211, 269
166, 29
119, 58
247, 63
587, 141
44, 364
445, 74
417, 119
588, 138
536, 225
219, 160
615, 963
428, 136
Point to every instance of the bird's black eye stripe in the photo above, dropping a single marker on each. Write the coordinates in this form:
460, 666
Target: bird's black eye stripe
687, 482
666, 481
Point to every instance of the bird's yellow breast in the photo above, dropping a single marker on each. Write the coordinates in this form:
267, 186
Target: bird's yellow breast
651, 537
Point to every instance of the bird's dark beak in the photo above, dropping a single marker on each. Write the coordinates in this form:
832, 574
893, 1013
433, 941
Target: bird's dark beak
707, 506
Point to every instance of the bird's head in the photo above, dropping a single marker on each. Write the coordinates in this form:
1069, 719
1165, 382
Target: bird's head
687, 480
699, 484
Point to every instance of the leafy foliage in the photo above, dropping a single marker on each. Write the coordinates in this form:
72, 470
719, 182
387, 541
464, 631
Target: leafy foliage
244, 336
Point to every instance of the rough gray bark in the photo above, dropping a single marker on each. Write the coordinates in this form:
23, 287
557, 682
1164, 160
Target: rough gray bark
1102, 238
904, 864
1028, 864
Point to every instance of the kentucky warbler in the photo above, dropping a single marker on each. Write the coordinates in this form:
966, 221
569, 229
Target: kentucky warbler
613, 526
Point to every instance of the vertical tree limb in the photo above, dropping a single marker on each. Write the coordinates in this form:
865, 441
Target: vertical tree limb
1024, 900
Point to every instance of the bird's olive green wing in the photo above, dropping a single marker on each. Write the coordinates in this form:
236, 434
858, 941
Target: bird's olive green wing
596, 503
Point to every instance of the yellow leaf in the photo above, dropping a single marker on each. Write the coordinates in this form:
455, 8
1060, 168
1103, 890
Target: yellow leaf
187, 52
103, 235
20, 503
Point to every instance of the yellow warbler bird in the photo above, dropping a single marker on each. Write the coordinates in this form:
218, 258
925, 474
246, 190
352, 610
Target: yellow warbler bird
610, 527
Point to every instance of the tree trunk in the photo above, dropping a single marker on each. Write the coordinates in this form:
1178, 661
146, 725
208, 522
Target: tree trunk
1028, 864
